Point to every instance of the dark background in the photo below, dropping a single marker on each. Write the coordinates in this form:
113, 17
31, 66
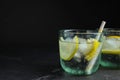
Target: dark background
29, 31
36, 23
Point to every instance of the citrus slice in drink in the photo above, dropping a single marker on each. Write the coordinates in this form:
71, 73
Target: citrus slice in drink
112, 47
68, 49
105, 51
93, 50
113, 37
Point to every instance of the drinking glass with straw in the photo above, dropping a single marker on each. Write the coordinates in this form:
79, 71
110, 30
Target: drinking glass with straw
80, 50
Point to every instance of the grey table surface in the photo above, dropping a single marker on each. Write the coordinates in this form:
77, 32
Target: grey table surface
101, 74
36, 64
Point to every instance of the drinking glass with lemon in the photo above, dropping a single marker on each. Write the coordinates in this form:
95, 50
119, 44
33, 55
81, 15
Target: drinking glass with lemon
78, 49
111, 48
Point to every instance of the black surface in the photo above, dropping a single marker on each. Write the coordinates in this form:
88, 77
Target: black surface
101, 74
26, 63
37, 64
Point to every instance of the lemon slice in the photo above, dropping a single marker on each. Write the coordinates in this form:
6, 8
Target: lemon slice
68, 49
113, 37
110, 51
105, 51
92, 52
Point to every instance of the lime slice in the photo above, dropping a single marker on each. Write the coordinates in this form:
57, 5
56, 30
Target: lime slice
68, 49
93, 50
105, 51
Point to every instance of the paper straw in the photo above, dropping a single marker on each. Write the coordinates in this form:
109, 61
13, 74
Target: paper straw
102, 26
92, 62
100, 29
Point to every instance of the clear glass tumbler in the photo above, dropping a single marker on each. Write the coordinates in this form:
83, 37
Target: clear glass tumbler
80, 51
111, 48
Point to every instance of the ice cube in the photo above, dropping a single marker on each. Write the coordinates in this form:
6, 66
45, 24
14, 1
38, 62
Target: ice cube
111, 43
85, 48
83, 41
69, 39
78, 56
85, 45
82, 47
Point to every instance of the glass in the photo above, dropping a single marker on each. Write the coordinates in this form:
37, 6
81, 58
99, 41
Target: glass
111, 48
80, 51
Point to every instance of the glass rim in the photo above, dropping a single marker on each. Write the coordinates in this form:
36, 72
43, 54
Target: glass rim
79, 31
112, 29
